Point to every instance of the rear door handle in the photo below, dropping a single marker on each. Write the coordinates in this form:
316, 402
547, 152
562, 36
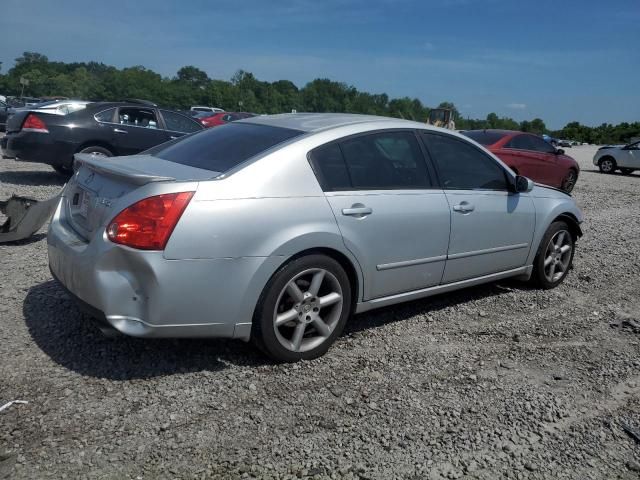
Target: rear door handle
357, 210
118, 130
464, 207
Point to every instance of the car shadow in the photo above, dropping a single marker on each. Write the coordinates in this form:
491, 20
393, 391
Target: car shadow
35, 178
425, 306
35, 238
618, 174
72, 340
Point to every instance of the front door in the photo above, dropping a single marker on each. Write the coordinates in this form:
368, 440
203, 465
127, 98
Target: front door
137, 129
491, 227
630, 157
392, 218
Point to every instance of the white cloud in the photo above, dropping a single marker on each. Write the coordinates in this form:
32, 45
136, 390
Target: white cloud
517, 106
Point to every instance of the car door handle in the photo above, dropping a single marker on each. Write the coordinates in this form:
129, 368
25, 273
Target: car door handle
357, 210
464, 207
118, 130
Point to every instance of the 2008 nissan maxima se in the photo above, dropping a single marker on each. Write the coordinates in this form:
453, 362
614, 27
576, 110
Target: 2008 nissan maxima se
278, 228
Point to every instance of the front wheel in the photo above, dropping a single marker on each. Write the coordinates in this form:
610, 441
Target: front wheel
554, 257
607, 165
303, 309
569, 181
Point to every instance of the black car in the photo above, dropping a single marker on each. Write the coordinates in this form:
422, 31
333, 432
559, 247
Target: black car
102, 128
4, 113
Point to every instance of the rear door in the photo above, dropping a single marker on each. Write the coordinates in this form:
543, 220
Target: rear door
177, 125
491, 227
392, 217
137, 129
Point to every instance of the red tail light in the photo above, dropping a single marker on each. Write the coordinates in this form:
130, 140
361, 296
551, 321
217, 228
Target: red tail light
34, 123
148, 224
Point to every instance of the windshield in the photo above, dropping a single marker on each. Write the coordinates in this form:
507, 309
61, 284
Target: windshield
222, 148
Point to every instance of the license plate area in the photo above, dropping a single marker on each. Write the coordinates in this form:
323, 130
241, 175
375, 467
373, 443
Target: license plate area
84, 202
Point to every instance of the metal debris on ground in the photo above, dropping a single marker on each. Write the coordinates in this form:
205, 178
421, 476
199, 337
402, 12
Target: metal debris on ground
7, 405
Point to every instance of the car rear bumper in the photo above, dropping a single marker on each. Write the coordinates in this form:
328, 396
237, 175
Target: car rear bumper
142, 294
37, 147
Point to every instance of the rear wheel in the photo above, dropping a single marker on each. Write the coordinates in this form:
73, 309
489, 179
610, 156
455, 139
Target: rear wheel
62, 170
569, 181
303, 309
626, 171
554, 257
607, 165
98, 151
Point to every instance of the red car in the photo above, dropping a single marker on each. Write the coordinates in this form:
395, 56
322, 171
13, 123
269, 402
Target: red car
217, 119
529, 155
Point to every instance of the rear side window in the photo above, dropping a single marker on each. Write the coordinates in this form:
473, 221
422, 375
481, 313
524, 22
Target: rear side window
385, 161
483, 137
328, 165
106, 115
179, 123
222, 148
462, 166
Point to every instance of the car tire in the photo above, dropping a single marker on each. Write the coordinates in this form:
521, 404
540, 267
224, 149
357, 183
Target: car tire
303, 309
554, 257
99, 151
607, 165
627, 171
62, 170
569, 181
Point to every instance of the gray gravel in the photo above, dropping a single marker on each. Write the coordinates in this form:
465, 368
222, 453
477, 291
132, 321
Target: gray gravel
500, 381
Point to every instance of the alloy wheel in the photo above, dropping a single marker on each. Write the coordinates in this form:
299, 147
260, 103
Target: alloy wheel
570, 181
558, 256
606, 166
307, 310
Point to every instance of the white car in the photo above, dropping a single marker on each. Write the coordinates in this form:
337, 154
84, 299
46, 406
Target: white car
625, 158
200, 108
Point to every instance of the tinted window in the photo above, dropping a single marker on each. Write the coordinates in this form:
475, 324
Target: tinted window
483, 137
391, 160
539, 145
106, 115
222, 148
328, 165
179, 123
137, 117
462, 166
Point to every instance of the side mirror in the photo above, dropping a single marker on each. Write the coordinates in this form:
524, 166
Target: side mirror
523, 184
559, 151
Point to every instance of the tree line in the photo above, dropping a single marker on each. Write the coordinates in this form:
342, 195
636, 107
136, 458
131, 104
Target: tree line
244, 92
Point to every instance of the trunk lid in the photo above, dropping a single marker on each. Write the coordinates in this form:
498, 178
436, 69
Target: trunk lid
93, 192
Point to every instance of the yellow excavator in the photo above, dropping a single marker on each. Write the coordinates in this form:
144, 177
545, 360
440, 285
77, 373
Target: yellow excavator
441, 117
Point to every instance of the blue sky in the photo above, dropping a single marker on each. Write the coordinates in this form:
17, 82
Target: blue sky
560, 60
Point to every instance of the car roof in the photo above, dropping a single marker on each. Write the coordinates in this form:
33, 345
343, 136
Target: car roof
499, 131
315, 122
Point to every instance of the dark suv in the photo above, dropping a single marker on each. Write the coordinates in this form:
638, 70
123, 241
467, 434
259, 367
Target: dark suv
102, 128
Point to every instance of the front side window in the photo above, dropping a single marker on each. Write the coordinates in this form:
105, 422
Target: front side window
179, 123
539, 145
520, 142
383, 161
137, 117
461, 166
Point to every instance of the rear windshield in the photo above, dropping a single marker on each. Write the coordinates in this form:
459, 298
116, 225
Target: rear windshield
483, 137
222, 148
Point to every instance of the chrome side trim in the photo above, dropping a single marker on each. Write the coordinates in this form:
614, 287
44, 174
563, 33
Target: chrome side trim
409, 263
427, 292
487, 250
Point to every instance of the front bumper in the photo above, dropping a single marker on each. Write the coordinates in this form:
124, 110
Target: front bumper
142, 294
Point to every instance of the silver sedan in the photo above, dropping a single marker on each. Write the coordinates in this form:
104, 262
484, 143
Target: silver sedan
277, 229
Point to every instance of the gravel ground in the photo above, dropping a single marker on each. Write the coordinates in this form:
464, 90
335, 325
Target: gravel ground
500, 381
